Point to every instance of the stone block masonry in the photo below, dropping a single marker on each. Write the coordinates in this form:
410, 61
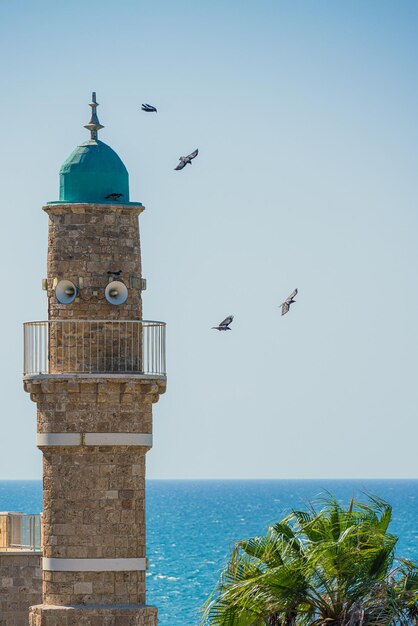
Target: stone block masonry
87, 241
93, 616
94, 495
20, 586
100, 404
94, 429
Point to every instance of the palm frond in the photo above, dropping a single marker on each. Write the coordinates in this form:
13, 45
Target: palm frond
327, 567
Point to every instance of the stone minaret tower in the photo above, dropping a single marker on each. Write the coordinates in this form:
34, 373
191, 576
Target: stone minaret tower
94, 369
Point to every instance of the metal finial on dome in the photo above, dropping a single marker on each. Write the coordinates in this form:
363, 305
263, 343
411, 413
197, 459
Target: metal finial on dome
94, 125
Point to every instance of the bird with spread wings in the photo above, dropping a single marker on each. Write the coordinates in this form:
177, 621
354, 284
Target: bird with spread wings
184, 160
224, 325
289, 300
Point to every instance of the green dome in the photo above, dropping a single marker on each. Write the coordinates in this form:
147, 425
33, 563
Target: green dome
92, 172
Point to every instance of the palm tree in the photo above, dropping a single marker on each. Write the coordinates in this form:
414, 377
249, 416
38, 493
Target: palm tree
335, 567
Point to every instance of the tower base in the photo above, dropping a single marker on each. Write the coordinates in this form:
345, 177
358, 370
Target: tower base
93, 615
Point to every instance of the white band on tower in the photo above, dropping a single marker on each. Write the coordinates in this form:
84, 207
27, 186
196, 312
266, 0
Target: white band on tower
93, 565
94, 439
58, 439
118, 439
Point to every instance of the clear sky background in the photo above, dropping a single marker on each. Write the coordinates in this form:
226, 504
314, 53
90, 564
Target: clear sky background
305, 115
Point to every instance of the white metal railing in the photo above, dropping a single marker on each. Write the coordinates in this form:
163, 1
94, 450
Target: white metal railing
94, 346
19, 531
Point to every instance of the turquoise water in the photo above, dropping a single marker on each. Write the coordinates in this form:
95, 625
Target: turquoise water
192, 525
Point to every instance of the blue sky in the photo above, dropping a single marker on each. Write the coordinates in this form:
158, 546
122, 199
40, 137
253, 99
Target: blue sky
305, 116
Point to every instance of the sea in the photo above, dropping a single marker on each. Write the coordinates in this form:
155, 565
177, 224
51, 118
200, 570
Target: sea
192, 526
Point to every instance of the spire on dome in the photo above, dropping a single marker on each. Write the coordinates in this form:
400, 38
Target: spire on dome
94, 125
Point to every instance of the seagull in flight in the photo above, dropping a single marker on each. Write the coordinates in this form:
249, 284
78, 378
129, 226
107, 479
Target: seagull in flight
289, 300
184, 160
148, 108
224, 325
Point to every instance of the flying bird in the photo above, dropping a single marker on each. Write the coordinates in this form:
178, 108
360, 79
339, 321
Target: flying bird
148, 108
289, 300
115, 274
187, 159
224, 325
114, 196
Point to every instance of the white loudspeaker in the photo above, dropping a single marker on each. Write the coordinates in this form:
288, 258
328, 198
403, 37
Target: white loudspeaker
66, 292
116, 292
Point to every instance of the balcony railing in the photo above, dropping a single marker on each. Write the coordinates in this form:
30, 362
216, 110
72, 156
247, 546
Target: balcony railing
94, 346
19, 531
